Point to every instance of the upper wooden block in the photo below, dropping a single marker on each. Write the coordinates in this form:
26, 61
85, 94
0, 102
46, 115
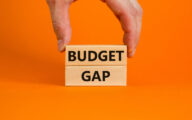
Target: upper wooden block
96, 55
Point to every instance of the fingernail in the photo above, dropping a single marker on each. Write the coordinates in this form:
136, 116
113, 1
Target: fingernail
61, 45
131, 52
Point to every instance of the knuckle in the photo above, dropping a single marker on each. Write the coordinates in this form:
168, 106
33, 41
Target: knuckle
58, 26
140, 11
58, 29
62, 30
51, 2
137, 11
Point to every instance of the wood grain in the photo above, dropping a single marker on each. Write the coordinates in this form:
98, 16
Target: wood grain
112, 55
95, 75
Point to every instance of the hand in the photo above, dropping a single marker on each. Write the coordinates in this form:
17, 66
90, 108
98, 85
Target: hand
128, 12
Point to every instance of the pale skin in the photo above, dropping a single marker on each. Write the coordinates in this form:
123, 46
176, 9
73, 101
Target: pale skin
128, 12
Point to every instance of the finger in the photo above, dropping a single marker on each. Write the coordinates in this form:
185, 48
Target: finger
139, 24
126, 12
139, 13
129, 26
61, 23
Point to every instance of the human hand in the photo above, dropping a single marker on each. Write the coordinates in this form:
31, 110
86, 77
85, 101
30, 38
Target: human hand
128, 12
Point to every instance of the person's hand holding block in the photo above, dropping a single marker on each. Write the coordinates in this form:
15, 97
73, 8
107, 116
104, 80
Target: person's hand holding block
128, 12
96, 65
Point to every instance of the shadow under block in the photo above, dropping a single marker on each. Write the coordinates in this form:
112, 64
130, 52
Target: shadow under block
113, 55
95, 75
96, 65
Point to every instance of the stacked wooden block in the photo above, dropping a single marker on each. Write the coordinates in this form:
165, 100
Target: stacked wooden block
96, 65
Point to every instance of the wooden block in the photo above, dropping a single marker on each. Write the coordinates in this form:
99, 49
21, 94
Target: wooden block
95, 75
96, 55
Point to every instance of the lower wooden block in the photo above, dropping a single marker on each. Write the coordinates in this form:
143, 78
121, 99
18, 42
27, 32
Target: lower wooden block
95, 75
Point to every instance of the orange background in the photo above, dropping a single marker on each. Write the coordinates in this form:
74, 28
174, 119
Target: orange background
32, 70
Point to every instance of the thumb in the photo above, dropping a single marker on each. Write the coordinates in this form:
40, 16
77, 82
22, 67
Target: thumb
60, 17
